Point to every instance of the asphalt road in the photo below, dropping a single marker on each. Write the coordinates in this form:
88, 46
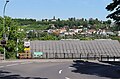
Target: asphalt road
58, 70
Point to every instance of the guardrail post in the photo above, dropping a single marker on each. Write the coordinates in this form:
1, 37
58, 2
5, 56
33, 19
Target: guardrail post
94, 57
72, 55
56, 57
60, 55
87, 55
80, 55
114, 58
107, 58
46, 55
101, 57
68, 55
64, 55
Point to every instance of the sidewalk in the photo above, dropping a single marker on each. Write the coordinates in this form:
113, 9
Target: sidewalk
49, 60
38, 60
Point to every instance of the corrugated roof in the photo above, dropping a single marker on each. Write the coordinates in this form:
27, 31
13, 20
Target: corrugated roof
93, 47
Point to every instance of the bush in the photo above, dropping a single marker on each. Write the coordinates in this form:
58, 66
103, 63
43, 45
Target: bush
10, 55
115, 38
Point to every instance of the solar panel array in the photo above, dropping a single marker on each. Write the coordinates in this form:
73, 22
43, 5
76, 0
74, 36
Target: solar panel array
75, 48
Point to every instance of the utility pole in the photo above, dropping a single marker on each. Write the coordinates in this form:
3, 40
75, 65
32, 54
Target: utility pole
3, 42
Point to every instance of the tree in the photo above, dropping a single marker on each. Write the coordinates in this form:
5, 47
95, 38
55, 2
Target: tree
114, 7
12, 33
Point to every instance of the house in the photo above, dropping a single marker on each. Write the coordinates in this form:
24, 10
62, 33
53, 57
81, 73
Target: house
91, 31
62, 30
50, 31
75, 30
103, 32
69, 33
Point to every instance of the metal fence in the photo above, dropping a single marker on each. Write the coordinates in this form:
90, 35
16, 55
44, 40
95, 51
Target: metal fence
89, 56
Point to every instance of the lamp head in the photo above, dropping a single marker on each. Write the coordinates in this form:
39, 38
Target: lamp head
7, 0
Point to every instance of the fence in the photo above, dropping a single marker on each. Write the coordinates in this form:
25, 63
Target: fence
89, 56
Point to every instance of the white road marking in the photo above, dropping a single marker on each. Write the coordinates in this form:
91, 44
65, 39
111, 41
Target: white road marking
15, 64
67, 78
60, 71
70, 67
12, 64
1, 66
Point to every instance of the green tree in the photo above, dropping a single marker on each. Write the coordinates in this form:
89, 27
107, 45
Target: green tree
12, 33
114, 7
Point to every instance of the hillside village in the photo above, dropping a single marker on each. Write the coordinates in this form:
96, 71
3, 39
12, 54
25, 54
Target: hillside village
75, 31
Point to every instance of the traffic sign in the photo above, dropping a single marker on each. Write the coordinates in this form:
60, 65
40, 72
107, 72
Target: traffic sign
37, 54
26, 49
26, 43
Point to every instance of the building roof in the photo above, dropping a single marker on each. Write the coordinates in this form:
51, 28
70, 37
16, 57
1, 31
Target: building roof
93, 47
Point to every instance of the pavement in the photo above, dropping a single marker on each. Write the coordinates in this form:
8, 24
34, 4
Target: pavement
58, 69
37, 60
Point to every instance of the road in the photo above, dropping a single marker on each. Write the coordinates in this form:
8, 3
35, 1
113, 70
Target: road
58, 70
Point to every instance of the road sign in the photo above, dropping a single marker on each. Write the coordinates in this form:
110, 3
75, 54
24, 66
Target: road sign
26, 43
26, 49
37, 54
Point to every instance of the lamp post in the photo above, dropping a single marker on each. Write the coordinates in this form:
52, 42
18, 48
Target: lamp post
4, 28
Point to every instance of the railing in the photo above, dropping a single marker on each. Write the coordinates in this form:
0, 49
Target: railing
109, 58
89, 56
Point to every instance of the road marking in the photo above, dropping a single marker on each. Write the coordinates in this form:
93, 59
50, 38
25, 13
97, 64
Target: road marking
67, 78
15, 64
60, 71
1, 66
12, 64
70, 67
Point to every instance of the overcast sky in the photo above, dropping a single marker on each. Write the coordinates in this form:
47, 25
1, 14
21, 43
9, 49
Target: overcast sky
41, 9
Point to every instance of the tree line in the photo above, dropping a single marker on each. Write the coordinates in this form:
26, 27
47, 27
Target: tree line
71, 22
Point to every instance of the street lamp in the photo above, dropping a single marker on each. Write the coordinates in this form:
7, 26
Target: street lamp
4, 29
3, 42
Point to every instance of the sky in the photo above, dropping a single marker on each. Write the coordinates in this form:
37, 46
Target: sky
64, 9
